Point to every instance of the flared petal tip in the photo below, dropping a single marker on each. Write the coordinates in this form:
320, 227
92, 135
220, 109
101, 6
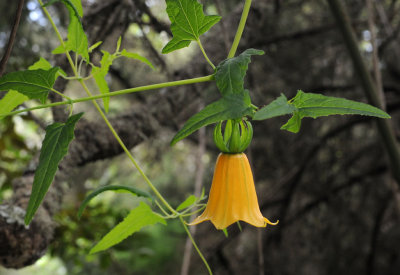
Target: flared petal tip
271, 223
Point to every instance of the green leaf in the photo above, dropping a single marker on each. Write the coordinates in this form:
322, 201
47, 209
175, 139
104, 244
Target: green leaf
76, 38
278, 107
116, 188
100, 78
40, 64
188, 202
94, 46
138, 218
11, 100
32, 83
188, 22
137, 57
45, 65
293, 124
231, 72
58, 50
54, 148
99, 75
75, 5
317, 105
232, 106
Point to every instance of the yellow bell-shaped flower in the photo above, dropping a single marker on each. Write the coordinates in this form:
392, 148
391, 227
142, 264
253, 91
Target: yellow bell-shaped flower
233, 195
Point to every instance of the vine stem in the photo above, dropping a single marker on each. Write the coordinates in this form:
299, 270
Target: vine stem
195, 245
204, 53
126, 150
62, 95
119, 92
240, 29
149, 183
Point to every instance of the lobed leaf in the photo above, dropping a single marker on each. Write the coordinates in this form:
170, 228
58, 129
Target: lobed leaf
317, 105
138, 218
230, 73
102, 189
232, 106
314, 105
188, 22
34, 84
54, 148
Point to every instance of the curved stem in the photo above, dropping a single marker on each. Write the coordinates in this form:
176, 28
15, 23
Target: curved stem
204, 53
126, 150
195, 245
119, 92
62, 95
240, 29
59, 36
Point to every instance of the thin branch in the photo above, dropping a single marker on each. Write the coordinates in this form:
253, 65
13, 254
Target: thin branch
375, 58
11, 40
384, 127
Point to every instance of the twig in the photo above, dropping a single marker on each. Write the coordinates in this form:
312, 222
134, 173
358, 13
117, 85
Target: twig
384, 127
11, 40
375, 58
197, 191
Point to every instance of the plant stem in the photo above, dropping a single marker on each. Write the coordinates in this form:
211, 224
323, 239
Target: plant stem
153, 188
126, 150
119, 92
195, 245
204, 53
62, 95
58, 35
240, 28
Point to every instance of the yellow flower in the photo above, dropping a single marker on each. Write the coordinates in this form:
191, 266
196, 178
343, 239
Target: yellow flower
233, 195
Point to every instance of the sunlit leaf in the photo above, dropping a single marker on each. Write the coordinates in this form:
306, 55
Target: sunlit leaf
99, 75
231, 72
10, 101
138, 218
94, 46
76, 38
188, 22
54, 148
186, 203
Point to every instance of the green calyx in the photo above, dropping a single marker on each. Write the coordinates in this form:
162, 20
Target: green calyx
235, 138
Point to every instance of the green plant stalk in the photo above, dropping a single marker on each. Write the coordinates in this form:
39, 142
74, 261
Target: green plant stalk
195, 245
58, 35
240, 29
126, 150
122, 144
204, 53
61, 94
154, 189
119, 92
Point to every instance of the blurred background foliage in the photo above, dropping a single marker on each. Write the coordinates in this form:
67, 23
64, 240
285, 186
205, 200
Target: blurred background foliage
330, 185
